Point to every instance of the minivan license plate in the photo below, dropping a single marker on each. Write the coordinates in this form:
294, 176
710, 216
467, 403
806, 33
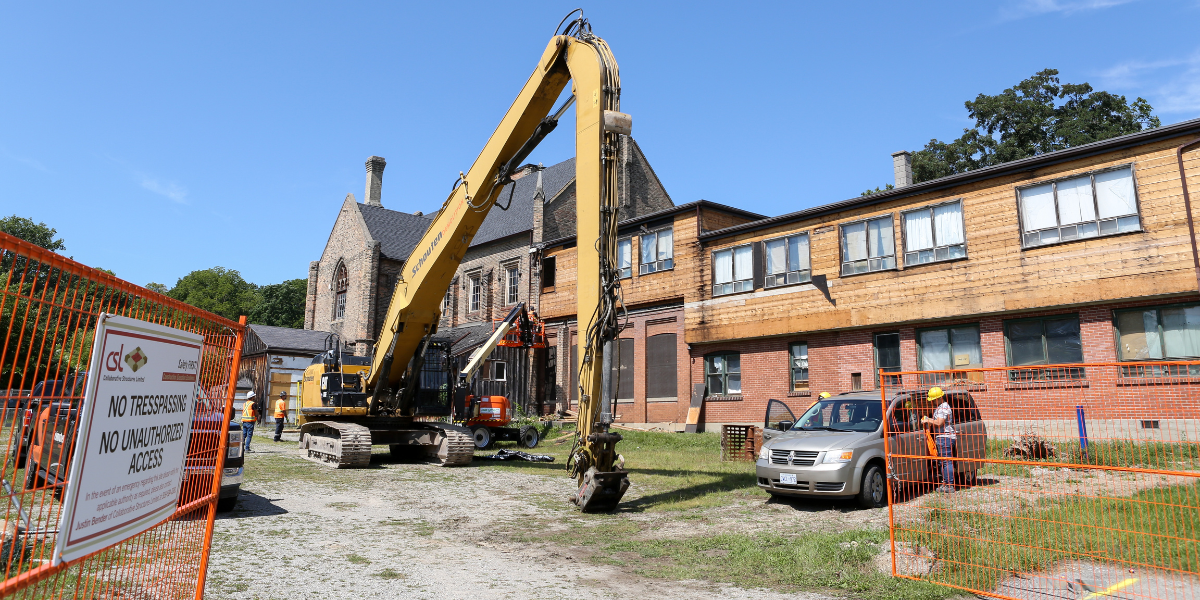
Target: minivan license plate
788, 478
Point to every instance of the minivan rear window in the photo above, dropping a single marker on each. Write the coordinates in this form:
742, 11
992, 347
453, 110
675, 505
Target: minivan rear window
841, 415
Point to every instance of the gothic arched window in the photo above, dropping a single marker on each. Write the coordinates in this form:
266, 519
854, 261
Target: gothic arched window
341, 284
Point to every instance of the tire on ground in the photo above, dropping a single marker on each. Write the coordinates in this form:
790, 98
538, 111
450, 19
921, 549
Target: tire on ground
483, 437
528, 437
873, 491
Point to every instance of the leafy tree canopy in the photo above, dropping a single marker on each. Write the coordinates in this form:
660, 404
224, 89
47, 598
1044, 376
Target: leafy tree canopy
281, 304
1036, 116
34, 233
218, 290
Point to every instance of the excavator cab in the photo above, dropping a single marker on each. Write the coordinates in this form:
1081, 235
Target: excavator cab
342, 390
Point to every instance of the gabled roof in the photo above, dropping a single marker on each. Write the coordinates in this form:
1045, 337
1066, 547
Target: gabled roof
266, 338
519, 216
397, 232
465, 338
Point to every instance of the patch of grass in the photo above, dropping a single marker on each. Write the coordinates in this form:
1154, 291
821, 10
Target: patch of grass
1159, 526
358, 560
343, 505
1110, 453
390, 574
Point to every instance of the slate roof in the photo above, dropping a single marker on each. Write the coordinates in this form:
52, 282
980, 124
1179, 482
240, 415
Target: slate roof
465, 337
397, 232
283, 339
519, 216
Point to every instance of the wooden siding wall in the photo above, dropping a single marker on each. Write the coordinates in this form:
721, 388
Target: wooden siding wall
998, 276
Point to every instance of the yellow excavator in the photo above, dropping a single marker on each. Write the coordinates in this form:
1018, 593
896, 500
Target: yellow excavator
353, 411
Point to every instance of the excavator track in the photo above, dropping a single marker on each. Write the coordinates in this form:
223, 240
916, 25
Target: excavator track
337, 445
457, 446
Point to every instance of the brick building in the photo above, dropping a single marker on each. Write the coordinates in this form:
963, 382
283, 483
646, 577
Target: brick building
1080, 255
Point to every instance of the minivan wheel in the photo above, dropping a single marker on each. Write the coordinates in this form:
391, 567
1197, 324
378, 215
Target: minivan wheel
873, 491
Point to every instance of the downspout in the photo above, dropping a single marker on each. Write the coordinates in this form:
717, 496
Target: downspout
1187, 204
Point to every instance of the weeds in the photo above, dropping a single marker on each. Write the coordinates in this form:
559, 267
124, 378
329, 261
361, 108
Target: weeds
358, 560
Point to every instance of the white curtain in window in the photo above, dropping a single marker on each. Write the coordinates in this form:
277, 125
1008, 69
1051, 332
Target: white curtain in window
1075, 201
624, 254
648, 248
798, 252
666, 248
1037, 207
1139, 335
918, 231
854, 242
723, 262
776, 256
935, 350
743, 262
799, 356
965, 340
1114, 193
879, 234
1181, 331
948, 223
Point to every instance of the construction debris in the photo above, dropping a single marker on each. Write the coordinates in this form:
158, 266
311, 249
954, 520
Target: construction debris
1031, 446
517, 455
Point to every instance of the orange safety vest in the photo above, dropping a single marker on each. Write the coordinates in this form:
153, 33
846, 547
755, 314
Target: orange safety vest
280, 408
248, 415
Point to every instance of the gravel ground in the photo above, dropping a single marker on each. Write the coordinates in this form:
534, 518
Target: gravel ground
421, 531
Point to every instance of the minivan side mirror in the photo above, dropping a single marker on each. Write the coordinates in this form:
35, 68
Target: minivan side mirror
784, 425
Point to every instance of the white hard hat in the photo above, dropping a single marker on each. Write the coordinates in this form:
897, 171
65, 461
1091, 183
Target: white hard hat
250, 394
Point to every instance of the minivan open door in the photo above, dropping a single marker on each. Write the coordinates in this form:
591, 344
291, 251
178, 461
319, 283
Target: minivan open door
779, 419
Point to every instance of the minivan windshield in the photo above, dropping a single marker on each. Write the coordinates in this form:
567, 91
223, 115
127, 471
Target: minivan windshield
841, 415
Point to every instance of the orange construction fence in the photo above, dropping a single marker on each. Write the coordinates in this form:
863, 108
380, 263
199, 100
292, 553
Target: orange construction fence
1058, 481
49, 307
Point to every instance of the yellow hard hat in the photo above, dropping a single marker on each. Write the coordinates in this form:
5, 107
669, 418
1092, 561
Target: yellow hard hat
935, 393
825, 395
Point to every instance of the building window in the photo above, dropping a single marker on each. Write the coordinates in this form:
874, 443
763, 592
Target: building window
934, 233
473, 282
513, 277
661, 367
723, 373
1160, 333
658, 251
448, 299
622, 370
625, 257
1096, 204
548, 271
733, 270
868, 246
949, 348
887, 356
342, 283
499, 371
787, 261
1044, 341
798, 353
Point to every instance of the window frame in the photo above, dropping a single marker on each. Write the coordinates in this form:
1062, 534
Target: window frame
629, 239
724, 374
341, 278
734, 282
659, 264
1026, 373
1158, 308
792, 381
806, 274
553, 266
474, 292
929, 207
842, 246
512, 283
1021, 233
892, 380
949, 341
503, 365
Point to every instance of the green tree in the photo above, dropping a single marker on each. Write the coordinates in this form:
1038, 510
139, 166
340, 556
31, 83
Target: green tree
1036, 116
34, 233
157, 287
282, 304
217, 290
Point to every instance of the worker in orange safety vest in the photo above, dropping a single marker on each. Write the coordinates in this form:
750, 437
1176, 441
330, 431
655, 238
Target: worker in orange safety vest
249, 416
280, 414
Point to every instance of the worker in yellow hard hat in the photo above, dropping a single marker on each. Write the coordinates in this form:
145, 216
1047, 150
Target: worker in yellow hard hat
939, 425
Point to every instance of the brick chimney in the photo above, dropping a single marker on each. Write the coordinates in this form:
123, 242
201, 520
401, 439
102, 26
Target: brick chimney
902, 165
375, 166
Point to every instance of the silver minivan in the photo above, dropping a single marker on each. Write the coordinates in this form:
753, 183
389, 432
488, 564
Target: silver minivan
836, 446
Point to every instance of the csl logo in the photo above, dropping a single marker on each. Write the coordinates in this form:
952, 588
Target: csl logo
135, 359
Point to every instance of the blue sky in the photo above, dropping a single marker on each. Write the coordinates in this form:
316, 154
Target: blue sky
160, 138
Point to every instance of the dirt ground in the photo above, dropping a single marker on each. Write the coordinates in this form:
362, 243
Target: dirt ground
400, 530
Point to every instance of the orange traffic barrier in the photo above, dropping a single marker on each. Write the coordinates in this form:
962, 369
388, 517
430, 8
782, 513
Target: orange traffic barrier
1076, 480
49, 307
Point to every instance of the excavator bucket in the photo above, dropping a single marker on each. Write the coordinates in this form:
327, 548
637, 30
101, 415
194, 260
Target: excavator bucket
601, 490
